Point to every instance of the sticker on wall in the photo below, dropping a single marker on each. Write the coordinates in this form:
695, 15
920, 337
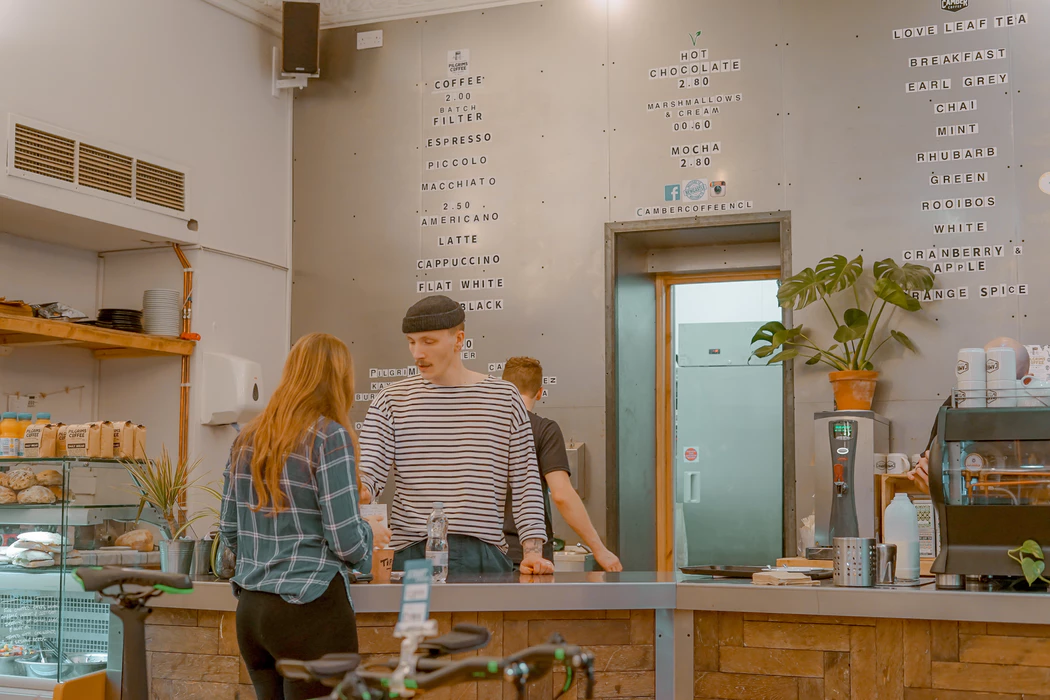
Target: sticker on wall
718, 188
691, 454
1044, 182
695, 190
672, 193
458, 63
954, 5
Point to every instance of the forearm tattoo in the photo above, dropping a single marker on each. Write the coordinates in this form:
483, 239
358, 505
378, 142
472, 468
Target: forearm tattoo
532, 547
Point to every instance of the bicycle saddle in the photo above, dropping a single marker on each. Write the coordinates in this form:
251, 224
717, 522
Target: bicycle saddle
99, 578
330, 667
461, 639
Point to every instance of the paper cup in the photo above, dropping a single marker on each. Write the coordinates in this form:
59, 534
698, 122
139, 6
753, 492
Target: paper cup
971, 394
970, 365
382, 564
898, 463
1003, 393
881, 463
1000, 365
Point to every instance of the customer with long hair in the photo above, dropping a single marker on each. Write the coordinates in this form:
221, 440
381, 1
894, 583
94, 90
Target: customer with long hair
290, 511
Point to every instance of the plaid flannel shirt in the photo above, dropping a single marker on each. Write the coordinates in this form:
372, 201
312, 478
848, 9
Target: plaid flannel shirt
296, 553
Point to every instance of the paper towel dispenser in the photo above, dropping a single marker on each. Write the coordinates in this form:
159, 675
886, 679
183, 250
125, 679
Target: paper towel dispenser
577, 467
231, 389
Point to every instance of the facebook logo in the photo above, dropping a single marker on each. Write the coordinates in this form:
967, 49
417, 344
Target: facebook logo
672, 193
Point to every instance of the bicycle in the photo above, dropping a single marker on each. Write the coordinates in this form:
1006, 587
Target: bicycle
130, 606
427, 667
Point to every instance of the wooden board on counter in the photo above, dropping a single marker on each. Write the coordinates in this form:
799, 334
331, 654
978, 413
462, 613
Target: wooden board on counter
103, 342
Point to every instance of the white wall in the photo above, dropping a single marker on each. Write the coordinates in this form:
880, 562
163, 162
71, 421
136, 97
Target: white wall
37, 272
177, 79
188, 83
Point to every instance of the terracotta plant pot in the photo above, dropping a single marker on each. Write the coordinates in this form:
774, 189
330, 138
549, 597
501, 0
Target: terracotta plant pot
854, 390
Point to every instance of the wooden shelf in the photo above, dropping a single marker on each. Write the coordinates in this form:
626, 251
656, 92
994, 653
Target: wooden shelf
104, 343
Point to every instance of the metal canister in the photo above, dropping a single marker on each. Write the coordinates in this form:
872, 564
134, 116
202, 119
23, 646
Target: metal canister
885, 564
854, 561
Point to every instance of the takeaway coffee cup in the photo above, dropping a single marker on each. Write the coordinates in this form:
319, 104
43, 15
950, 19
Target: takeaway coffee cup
1003, 393
382, 564
1000, 365
881, 463
897, 463
970, 366
971, 394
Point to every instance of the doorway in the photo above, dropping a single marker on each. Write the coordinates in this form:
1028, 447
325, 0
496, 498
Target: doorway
725, 420
649, 264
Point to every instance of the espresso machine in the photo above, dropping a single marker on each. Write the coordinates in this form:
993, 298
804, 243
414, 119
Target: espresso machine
845, 444
990, 484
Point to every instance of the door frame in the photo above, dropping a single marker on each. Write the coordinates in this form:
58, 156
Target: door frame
665, 453
637, 231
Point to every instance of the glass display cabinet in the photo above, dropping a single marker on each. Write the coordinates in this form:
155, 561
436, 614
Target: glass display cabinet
50, 629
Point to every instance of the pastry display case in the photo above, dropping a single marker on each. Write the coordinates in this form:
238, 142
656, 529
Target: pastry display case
50, 629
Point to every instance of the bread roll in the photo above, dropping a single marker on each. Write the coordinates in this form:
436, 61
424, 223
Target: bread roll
4, 481
49, 477
36, 494
139, 540
51, 538
57, 490
7, 495
19, 479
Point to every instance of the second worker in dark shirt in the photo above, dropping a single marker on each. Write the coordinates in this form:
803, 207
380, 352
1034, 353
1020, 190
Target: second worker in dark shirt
527, 374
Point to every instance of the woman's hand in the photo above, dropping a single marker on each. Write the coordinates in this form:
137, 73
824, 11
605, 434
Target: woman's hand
921, 473
380, 532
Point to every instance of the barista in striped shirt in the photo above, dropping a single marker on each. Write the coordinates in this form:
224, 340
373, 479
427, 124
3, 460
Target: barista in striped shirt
456, 437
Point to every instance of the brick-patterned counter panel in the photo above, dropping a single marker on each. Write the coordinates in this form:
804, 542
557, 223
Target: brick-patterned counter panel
193, 654
740, 656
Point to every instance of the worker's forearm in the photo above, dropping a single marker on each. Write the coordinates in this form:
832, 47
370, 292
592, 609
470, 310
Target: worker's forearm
575, 515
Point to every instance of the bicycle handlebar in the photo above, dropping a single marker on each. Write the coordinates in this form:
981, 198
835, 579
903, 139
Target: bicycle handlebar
372, 680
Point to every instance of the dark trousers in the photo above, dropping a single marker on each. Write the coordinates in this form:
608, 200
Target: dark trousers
270, 628
466, 556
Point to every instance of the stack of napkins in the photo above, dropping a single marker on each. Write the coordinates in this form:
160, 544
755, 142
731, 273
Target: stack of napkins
782, 577
34, 550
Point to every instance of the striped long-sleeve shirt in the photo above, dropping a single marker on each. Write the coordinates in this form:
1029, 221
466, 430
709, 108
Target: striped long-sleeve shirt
461, 445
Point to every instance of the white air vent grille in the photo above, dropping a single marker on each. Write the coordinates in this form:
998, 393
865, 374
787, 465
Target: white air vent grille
55, 156
44, 154
161, 186
104, 170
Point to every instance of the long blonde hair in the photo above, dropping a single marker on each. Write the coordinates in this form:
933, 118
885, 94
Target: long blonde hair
318, 380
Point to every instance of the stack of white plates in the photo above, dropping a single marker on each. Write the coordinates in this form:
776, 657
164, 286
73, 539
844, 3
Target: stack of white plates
162, 312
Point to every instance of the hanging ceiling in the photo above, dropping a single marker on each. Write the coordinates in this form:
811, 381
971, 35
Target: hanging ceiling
342, 13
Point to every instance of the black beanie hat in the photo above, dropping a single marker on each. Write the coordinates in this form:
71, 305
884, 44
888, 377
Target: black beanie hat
436, 313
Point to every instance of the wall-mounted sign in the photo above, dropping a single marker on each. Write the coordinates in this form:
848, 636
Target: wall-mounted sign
458, 63
691, 454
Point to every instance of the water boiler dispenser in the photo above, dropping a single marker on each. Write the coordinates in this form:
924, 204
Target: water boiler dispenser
846, 443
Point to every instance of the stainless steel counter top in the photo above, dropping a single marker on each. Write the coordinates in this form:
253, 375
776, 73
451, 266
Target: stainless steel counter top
922, 603
568, 591
656, 591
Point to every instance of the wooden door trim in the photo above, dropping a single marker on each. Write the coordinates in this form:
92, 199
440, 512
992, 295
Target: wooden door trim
665, 503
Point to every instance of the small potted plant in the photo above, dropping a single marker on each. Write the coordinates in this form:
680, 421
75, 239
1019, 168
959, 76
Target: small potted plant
859, 331
165, 484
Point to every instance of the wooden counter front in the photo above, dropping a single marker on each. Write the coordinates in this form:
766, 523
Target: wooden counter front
193, 654
801, 657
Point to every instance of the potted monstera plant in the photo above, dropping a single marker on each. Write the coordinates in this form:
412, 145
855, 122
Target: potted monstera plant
872, 296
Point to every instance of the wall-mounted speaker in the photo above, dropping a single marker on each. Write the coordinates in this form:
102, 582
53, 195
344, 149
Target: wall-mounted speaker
300, 38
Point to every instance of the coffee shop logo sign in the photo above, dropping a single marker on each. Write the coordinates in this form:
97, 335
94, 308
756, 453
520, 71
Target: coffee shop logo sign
954, 5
